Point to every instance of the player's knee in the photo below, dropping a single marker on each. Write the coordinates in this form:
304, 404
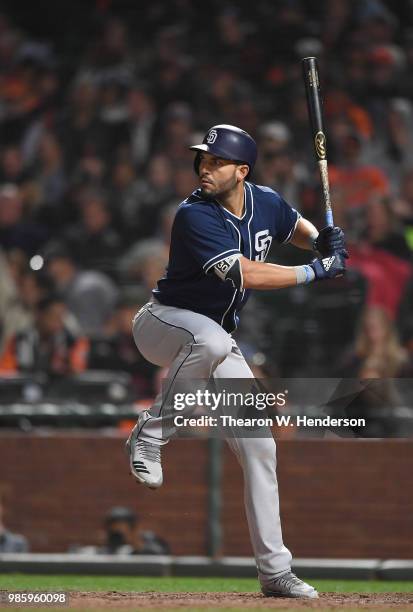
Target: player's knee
215, 347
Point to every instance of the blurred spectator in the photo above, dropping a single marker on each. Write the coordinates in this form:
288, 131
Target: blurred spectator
231, 32
151, 191
170, 67
176, 132
400, 126
377, 21
18, 263
27, 92
136, 217
222, 91
19, 298
142, 119
382, 230
403, 207
89, 171
16, 231
122, 536
79, 127
50, 176
386, 64
278, 168
184, 181
139, 201
96, 244
246, 114
405, 319
89, 295
145, 262
47, 346
336, 18
8, 299
116, 349
274, 136
111, 48
113, 114
297, 123
377, 352
12, 168
377, 357
387, 275
357, 182
10, 542
390, 148
33, 287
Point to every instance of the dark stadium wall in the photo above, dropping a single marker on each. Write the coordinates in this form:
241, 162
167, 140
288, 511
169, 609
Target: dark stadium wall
340, 498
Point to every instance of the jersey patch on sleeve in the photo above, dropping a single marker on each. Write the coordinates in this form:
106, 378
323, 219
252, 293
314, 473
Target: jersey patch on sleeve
230, 269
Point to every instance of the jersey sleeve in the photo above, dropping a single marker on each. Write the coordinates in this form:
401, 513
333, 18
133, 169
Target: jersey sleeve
205, 236
286, 220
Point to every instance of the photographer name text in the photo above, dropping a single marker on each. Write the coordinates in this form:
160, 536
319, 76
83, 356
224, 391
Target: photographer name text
278, 420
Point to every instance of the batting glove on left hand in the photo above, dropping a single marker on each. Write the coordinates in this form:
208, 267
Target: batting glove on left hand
330, 240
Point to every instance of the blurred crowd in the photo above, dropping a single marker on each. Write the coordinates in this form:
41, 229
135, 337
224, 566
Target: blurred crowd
95, 128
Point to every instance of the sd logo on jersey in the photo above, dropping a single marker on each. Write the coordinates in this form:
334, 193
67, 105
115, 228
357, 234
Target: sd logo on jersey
262, 244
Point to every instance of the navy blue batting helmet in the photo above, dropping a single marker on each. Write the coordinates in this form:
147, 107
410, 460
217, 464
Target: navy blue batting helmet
228, 142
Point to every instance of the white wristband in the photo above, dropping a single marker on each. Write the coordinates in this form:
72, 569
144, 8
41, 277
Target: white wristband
304, 274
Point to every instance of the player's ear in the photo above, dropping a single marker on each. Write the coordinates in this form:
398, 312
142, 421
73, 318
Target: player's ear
242, 171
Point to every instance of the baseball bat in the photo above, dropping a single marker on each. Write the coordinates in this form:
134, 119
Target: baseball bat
315, 112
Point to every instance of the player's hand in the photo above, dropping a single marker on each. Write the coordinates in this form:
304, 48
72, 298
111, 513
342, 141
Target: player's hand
329, 267
331, 240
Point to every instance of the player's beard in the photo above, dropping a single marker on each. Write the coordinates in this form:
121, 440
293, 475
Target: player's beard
209, 193
215, 192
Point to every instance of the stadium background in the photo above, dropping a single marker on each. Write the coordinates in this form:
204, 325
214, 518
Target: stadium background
98, 104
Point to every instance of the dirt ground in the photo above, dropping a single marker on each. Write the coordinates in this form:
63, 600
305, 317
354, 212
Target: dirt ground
164, 601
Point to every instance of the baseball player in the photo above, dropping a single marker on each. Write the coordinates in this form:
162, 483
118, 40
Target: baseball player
220, 239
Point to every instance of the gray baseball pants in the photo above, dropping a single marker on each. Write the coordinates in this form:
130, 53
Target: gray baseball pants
194, 346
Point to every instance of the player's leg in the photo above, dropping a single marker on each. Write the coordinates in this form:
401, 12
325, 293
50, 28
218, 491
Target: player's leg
192, 346
257, 457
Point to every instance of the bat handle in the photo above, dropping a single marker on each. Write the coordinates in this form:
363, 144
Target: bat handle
329, 217
322, 165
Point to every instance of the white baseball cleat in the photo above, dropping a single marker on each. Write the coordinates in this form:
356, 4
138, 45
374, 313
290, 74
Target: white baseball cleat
288, 585
144, 458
